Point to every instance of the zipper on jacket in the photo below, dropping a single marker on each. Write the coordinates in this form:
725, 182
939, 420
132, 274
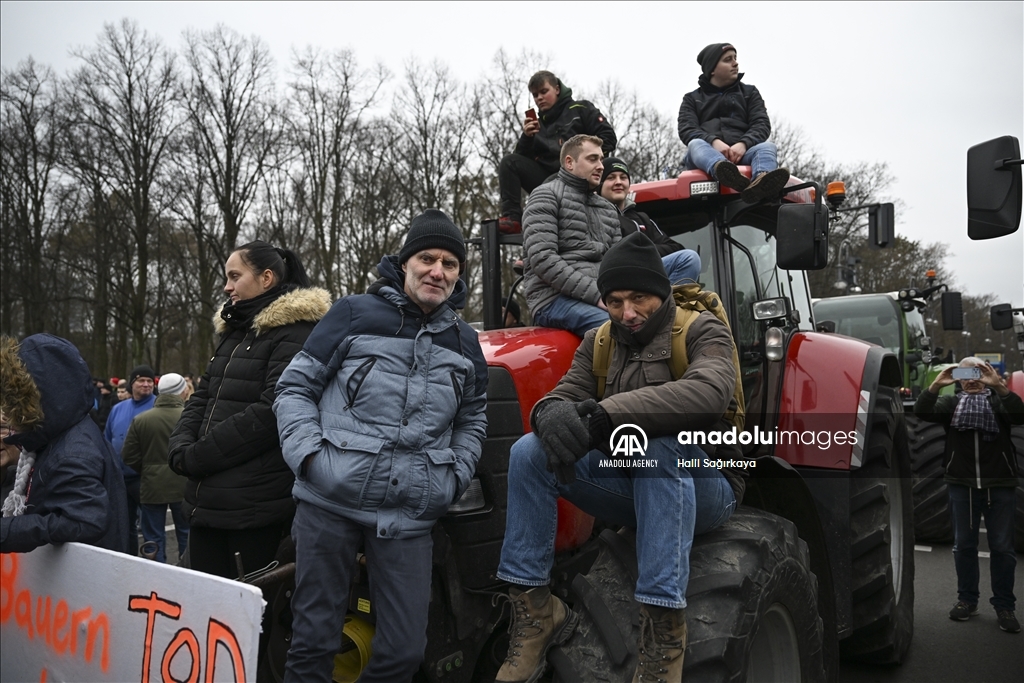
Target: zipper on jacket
1009, 465
455, 386
977, 459
196, 506
209, 420
353, 392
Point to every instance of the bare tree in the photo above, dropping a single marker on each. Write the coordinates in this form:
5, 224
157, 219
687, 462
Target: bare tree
866, 183
202, 247
232, 108
330, 94
647, 140
499, 121
436, 154
126, 92
30, 147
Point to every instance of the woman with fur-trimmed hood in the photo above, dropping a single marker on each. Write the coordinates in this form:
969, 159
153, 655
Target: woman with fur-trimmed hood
68, 484
238, 496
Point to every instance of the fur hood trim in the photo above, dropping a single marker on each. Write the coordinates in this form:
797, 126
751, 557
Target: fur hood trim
20, 401
300, 305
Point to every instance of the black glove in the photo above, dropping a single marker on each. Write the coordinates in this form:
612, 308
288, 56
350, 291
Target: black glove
564, 430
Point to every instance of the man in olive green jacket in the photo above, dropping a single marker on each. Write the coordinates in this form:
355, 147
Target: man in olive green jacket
145, 451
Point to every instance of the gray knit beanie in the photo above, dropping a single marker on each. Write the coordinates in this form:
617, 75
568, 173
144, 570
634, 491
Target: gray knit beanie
172, 384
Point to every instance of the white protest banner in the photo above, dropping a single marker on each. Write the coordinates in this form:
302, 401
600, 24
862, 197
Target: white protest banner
78, 613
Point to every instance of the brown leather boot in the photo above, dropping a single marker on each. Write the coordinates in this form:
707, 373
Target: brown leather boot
662, 645
539, 622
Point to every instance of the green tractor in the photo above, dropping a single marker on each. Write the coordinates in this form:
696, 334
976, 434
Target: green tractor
896, 321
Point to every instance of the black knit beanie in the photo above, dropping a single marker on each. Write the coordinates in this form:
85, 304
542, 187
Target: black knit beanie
432, 229
633, 263
140, 371
708, 57
611, 165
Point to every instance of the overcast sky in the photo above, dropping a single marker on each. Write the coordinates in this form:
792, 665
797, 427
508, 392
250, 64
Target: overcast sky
911, 84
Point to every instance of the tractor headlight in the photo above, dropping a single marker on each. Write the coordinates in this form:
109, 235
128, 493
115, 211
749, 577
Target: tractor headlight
774, 342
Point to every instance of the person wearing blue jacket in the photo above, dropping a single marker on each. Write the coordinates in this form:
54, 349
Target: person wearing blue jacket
381, 417
68, 484
141, 383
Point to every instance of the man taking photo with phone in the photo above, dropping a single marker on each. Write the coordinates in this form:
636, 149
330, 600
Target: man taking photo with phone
981, 477
557, 118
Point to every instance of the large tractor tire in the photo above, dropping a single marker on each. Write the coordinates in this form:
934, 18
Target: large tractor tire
931, 501
751, 613
882, 541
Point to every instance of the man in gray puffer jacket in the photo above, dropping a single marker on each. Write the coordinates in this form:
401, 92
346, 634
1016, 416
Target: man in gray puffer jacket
567, 228
382, 419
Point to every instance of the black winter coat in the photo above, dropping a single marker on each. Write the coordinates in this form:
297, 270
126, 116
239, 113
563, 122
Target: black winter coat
631, 220
226, 441
76, 490
568, 117
732, 114
970, 460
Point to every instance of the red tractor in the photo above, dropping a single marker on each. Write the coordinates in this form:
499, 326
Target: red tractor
818, 562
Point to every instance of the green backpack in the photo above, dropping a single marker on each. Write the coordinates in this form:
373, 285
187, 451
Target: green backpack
690, 301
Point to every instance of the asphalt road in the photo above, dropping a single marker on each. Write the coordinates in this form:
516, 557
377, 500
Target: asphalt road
942, 650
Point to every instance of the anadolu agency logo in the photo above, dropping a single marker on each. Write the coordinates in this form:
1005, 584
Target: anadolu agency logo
628, 444
628, 441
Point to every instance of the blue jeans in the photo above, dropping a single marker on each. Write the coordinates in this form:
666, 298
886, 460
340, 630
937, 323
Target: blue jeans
325, 557
761, 158
966, 505
154, 517
667, 506
682, 266
566, 313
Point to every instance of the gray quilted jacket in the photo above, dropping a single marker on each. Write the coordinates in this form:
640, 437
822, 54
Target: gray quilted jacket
391, 405
566, 231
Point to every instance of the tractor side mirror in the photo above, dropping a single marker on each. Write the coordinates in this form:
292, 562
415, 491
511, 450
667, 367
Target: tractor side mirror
881, 225
993, 188
1002, 316
802, 236
952, 311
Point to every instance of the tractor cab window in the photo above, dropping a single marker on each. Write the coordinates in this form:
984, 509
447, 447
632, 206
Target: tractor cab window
874, 319
915, 329
754, 244
700, 242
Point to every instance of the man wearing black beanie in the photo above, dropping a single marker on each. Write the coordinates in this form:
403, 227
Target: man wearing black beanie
570, 454
724, 124
382, 417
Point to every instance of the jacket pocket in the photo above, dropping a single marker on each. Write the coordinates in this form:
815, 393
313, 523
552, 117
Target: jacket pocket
342, 469
441, 484
457, 386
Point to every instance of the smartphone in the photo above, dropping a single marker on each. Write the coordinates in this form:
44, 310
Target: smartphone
966, 373
531, 114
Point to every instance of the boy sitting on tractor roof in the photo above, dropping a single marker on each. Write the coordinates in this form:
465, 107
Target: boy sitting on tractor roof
724, 123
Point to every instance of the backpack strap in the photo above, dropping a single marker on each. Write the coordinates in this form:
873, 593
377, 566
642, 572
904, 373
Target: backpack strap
604, 345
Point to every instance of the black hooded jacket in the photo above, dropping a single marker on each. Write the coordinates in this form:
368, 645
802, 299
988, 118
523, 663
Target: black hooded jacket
226, 441
732, 114
76, 490
566, 118
971, 460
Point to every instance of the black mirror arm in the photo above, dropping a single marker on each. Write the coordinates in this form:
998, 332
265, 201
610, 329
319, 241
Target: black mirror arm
1004, 164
